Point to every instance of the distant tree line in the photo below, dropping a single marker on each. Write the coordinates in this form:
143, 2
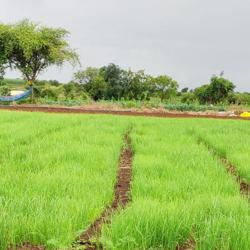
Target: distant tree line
112, 82
218, 91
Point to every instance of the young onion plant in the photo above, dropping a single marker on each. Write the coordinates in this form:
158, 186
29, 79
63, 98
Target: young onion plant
181, 193
57, 175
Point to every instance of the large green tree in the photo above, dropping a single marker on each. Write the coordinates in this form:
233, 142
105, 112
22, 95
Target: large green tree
4, 35
164, 86
113, 76
32, 48
215, 92
93, 82
136, 85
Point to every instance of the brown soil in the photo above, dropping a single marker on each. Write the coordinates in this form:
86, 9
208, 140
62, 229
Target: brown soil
152, 113
121, 198
188, 245
244, 186
27, 246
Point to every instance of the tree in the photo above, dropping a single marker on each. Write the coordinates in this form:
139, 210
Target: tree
202, 94
239, 98
93, 82
3, 49
135, 85
219, 89
1, 74
184, 90
164, 86
32, 48
86, 76
215, 92
113, 76
188, 97
98, 88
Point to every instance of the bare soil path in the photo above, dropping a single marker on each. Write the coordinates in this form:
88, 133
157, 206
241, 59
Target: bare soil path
77, 110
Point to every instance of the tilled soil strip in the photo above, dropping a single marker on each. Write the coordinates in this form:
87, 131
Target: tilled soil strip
48, 109
27, 246
244, 186
188, 245
231, 169
121, 198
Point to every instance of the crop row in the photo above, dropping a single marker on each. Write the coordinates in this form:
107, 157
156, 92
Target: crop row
58, 174
181, 194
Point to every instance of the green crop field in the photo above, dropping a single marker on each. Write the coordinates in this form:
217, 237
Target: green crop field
180, 191
58, 174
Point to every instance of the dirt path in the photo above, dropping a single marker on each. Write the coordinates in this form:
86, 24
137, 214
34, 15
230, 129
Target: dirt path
26, 246
243, 185
121, 198
51, 109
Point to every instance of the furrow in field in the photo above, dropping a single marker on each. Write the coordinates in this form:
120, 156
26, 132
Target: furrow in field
230, 140
231, 169
121, 198
27, 246
188, 245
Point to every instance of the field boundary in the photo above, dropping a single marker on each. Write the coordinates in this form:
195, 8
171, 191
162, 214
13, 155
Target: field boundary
121, 197
49, 109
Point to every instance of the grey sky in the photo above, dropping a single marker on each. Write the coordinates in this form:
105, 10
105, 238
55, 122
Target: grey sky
187, 39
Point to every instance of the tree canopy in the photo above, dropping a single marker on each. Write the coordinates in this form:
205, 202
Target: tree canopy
215, 92
32, 48
113, 82
165, 86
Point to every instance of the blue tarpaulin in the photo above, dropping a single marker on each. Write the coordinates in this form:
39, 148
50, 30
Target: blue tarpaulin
16, 97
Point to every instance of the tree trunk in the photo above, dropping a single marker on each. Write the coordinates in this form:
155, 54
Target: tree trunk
32, 94
32, 91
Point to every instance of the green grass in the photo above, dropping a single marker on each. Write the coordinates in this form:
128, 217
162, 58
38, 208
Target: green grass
179, 191
58, 173
232, 142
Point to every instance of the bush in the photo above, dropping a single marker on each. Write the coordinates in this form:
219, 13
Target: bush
188, 98
75, 91
239, 98
215, 92
53, 92
4, 90
61, 92
193, 107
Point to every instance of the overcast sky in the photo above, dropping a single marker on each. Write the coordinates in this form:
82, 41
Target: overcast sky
189, 40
